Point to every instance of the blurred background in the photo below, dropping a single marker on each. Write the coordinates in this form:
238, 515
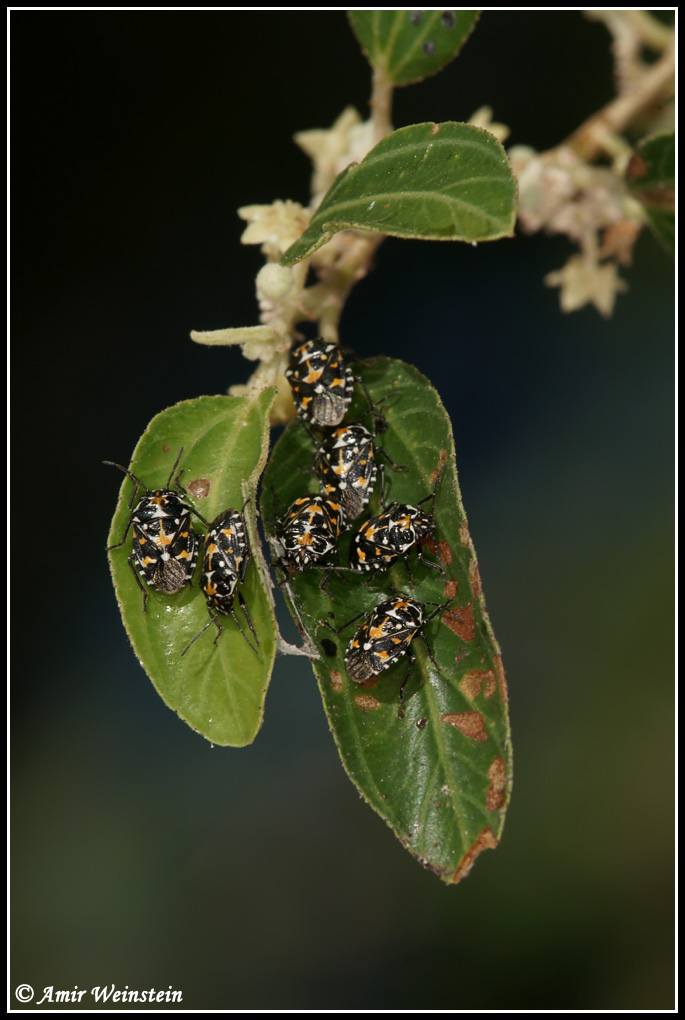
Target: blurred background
257, 878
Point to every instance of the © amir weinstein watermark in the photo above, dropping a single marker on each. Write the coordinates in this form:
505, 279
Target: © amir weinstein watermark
99, 993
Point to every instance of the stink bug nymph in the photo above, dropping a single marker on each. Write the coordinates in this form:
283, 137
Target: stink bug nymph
385, 636
321, 382
164, 544
308, 533
383, 539
224, 565
345, 463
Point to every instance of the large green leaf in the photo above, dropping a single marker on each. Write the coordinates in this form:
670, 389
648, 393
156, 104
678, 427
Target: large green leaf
219, 689
440, 776
407, 46
440, 182
651, 178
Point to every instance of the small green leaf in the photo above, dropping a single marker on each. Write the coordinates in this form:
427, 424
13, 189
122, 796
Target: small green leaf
441, 776
651, 178
439, 182
218, 690
407, 46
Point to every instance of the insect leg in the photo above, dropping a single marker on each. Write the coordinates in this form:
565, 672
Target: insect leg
138, 581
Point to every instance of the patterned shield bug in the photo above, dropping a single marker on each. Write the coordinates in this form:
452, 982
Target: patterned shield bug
345, 463
386, 636
224, 565
164, 544
383, 539
308, 532
322, 384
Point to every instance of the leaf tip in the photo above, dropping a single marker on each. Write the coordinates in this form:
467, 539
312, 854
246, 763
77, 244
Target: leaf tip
486, 841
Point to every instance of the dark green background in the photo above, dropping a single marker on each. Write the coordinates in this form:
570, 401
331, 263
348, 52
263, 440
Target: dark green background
257, 878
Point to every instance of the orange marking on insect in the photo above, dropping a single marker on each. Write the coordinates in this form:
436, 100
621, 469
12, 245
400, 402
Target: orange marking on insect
314, 375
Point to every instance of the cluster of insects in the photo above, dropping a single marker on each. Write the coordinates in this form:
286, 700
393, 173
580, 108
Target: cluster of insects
347, 464
165, 550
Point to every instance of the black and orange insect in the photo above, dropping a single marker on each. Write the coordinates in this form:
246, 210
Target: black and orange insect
346, 465
165, 546
224, 566
308, 533
383, 539
386, 636
321, 382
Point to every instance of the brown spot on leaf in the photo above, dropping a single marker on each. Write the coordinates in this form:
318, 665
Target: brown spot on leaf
166, 448
421, 723
443, 453
465, 534
366, 701
474, 578
497, 774
502, 680
451, 588
460, 620
436, 127
486, 841
471, 683
445, 553
471, 724
336, 679
200, 487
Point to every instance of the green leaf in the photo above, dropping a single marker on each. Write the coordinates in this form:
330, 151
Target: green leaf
407, 46
651, 179
218, 690
441, 776
440, 182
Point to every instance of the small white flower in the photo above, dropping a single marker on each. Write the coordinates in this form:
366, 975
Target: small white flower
584, 281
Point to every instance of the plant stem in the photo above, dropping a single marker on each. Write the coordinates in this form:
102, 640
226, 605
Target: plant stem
588, 140
325, 300
381, 105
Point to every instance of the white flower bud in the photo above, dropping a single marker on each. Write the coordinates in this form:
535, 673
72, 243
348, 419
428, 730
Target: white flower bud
273, 282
